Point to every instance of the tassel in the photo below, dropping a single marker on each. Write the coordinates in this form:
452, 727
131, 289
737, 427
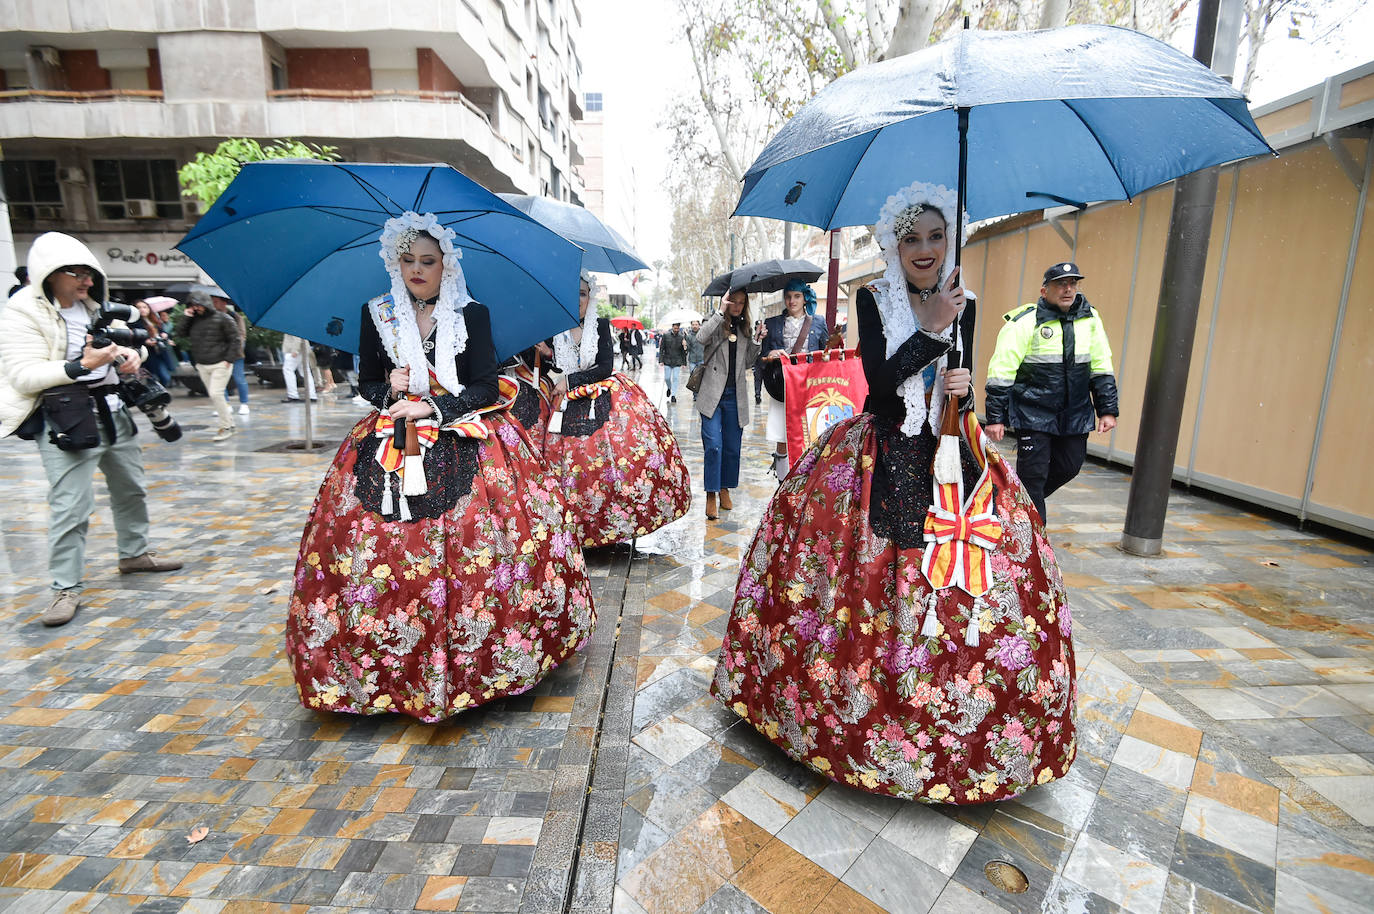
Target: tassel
971, 633
413, 476
947, 467
405, 508
387, 505
931, 626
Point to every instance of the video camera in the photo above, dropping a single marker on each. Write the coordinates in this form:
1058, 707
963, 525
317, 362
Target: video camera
145, 393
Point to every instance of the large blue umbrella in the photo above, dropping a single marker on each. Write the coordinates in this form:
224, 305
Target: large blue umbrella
1069, 115
606, 250
294, 243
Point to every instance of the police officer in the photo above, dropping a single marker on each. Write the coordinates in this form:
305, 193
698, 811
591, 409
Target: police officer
1051, 381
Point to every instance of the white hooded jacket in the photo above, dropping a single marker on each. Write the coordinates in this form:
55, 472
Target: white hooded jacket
33, 336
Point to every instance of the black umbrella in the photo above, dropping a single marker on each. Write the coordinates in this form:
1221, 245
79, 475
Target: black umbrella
763, 276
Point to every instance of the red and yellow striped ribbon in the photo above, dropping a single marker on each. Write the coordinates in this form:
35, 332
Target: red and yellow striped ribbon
959, 538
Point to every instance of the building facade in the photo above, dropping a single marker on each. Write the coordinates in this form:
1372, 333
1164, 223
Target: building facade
101, 103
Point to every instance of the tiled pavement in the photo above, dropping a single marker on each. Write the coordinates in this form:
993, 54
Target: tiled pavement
1226, 719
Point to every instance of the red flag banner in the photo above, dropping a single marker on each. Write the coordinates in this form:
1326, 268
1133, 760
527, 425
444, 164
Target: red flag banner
820, 389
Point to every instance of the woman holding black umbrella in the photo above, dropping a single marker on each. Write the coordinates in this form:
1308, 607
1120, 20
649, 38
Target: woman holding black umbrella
917, 653
436, 571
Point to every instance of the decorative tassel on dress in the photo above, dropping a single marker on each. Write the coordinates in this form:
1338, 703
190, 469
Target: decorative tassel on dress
413, 468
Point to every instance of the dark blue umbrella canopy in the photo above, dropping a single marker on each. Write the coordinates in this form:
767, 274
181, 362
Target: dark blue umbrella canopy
295, 245
1069, 115
606, 251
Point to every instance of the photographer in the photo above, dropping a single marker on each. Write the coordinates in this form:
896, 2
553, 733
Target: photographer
215, 343
52, 376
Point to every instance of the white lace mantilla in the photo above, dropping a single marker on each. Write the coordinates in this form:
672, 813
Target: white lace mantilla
567, 353
395, 319
894, 305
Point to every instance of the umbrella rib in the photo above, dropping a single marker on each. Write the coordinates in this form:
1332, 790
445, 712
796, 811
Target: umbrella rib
369, 189
1102, 146
424, 186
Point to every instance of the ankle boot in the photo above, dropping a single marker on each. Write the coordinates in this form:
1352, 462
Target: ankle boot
711, 506
725, 503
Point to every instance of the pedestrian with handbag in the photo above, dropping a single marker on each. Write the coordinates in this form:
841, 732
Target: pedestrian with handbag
729, 349
796, 330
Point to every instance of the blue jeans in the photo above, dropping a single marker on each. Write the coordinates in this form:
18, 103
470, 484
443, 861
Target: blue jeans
670, 375
720, 439
240, 381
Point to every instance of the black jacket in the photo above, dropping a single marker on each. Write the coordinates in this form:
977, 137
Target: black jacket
1051, 371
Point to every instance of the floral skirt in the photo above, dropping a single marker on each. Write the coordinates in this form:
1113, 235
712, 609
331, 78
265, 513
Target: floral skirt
825, 653
430, 616
626, 478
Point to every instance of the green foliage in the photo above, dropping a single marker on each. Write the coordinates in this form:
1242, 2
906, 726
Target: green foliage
206, 176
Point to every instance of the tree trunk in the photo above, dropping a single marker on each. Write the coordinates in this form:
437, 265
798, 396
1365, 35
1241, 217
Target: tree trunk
1258, 15
915, 19
1054, 14
837, 28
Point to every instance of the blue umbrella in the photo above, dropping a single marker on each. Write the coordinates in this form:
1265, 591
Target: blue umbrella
294, 243
1067, 115
606, 250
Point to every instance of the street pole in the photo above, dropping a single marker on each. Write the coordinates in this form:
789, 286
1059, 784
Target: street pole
732, 250
832, 282
787, 241
1171, 352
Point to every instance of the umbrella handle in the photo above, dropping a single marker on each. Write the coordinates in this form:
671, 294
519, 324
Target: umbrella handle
412, 440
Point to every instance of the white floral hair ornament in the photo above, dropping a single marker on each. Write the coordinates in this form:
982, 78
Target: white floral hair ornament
569, 355
399, 332
895, 219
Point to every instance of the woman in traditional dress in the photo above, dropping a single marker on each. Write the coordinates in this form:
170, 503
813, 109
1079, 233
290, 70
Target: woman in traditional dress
728, 351
429, 584
796, 329
609, 449
534, 397
838, 648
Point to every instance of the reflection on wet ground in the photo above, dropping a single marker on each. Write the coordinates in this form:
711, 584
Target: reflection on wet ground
1226, 722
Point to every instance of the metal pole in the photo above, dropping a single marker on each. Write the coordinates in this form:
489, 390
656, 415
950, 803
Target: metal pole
1171, 352
832, 282
732, 250
787, 241
309, 382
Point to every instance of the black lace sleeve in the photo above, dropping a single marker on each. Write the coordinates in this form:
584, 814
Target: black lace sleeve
374, 366
605, 358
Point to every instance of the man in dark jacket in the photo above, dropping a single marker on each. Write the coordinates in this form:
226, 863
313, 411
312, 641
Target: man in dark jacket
214, 341
672, 352
1050, 379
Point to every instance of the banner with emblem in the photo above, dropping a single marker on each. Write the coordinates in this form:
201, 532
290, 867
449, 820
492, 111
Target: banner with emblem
821, 388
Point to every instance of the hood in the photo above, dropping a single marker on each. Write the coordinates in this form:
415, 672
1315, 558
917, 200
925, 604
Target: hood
53, 250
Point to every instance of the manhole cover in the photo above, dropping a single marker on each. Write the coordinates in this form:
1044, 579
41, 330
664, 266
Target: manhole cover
1006, 877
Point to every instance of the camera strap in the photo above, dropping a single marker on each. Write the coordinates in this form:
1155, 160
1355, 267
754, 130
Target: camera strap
100, 396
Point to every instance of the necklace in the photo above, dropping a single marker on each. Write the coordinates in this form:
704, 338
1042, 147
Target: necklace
924, 293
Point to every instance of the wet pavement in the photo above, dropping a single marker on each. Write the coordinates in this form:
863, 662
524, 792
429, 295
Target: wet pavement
1226, 720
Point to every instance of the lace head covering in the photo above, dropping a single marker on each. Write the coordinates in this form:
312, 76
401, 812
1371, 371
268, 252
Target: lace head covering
569, 355
399, 332
895, 219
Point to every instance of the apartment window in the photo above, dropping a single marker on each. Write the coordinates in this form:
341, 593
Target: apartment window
545, 108
32, 189
279, 82
529, 85
593, 102
137, 189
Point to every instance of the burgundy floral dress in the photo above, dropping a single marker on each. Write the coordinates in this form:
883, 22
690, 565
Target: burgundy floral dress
435, 603
840, 651
615, 456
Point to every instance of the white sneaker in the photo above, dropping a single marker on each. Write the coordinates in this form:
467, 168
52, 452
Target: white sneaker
243, 409
223, 434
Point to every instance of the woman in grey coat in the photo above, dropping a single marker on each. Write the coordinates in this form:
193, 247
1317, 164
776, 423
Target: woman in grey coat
729, 350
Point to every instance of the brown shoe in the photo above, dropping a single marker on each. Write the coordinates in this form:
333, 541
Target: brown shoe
148, 561
62, 608
711, 506
725, 503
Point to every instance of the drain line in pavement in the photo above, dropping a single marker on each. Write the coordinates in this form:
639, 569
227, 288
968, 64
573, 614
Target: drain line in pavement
596, 739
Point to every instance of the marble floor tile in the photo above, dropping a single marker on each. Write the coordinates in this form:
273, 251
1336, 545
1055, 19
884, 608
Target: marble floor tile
729, 900
670, 881
1225, 704
871, 811
780, 879
1328, 765
894, 880
1231, 828
723, 838
1292, 894
1299, 701
959, 899
1062, 800
1164, 765
1354, 794
826, 837
766, 799
671, 740
1361, 694
929, 837
1132, 882
1231, 875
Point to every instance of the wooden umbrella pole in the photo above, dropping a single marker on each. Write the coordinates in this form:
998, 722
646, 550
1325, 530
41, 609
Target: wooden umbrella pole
413, 467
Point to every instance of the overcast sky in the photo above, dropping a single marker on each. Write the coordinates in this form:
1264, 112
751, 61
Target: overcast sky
631, 53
